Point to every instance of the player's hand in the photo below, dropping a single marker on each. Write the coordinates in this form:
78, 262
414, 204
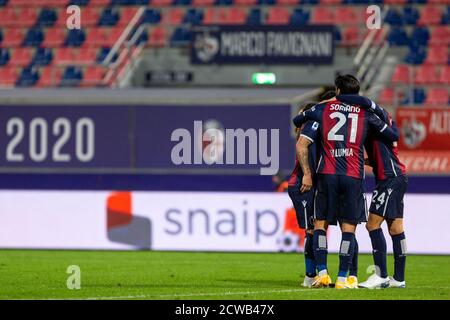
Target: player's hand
367, 162
306, 183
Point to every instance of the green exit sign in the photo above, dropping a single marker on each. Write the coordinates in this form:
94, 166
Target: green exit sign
264, 78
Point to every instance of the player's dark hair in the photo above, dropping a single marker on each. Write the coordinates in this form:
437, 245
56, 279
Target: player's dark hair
347, 84
328, 95
306, 106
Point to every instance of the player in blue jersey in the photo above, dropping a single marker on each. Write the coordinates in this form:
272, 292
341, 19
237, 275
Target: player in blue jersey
387, 201
343, 130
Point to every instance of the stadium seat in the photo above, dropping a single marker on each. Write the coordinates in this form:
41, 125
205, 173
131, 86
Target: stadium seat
49, 77
21, 57
440, 35
322, 15
102, 3
47, 17
278, 16
397, 37
54, 37
90, 16
64, 56
86, 55
395, 1
287, 2
81, 3
4, 56
8, 76
174, 16
161, 3
437, 55
387, 96
444, 77
93, 75
151, 16
97, 37
348, 15
401, 74
28, 77
75, 38
350, 36
332, 2
158, 37
26, 17
126, 15
71, 76
430, 15
437, 96
299, 17
393, 17
12, 37
193, 16
8, 17
236, 16
420, 36
243, 2
33, 37
109, 17
410, 15
416, 55
425, 74
180, 36
43, 57
204, 3
254, 17
103, 53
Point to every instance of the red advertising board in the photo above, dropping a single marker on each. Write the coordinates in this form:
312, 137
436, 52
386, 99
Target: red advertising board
424, 128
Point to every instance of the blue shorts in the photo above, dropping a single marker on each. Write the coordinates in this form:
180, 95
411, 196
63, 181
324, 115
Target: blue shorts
387, 198
340, 198
303, 205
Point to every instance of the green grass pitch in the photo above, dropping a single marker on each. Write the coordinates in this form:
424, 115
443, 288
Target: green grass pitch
29, 274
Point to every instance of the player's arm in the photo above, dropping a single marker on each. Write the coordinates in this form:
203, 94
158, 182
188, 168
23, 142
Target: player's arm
307, 137
382, 128
303, 117
364, 102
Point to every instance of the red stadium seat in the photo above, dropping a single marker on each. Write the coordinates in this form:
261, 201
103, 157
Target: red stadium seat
210, 16
348, 15
126, 15
54, 37
440, 35
425, 74
350, 36
323, 15
8, 76
113, 36
278, 15
8, 17
437, 55
173, 16
21, 57
237, 15
288, 2
64, 56
444, 78
437, 96
93, 75
204, 3
158, 37
395, 1
402, 74
90, 16
97, 37
430, 15
49, 77
12, 38
245, 2
161, 3
86, 56
330, 1
99, 3
27, 17
387, 96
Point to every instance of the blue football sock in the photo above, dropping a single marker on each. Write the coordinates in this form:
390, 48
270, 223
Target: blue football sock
353, 270
399, 246
346, 253
379, 251
310, 262
320, 249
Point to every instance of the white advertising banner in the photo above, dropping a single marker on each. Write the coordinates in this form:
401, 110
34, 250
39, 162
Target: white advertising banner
203, 221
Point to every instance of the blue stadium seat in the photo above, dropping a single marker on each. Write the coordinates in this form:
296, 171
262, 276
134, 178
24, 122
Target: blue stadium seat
28, 77
151, 16
267, 2
129, 2
1, 35
193, 16
33, 38
337, 35
416, 55
224, 2
310, 1
299, 17
420, 36
254, 17
180, 36
80, 3
3, 3
43, 57
46, 18
75, 38
417, 1
410, 15
4, 56
398, 37
109, 17
103, 53
181, 2
72, 76
446, 17
393, 17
